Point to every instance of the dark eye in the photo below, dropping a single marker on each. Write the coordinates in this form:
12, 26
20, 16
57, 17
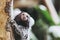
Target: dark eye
26, 16
22, 14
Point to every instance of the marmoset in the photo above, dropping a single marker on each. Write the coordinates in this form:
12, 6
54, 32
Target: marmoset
22, 23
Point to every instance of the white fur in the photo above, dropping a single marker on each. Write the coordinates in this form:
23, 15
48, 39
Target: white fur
21, 28
15, 12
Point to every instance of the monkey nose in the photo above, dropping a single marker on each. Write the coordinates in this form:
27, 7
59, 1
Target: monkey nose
24, 17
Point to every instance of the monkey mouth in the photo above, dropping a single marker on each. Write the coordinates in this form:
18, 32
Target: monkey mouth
24, 19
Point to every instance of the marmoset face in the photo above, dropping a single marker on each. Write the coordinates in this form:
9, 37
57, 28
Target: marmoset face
24, 16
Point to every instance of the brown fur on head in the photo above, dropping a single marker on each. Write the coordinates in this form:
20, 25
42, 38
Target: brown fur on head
22, 19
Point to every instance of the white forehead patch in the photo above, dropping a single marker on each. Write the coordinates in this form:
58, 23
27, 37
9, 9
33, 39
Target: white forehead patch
26, 13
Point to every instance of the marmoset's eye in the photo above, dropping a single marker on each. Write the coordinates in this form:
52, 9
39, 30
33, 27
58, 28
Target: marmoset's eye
22, 14
26, 16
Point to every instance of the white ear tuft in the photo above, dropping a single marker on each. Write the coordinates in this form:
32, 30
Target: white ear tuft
16, 12
31, 22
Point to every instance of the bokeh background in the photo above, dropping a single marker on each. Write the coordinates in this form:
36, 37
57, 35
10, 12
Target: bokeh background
46, 14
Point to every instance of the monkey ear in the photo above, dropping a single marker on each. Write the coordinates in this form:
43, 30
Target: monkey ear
16, 11
31, 22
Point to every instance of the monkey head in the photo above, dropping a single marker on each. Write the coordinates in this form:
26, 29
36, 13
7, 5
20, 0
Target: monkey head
22, 19
24, 16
